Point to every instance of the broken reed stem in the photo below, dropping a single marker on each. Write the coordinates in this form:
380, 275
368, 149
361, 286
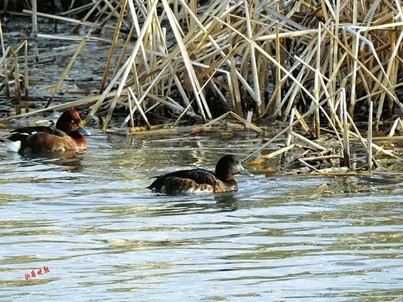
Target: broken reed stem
247, 124
113, 46
66, 71
303, 162
87, 101
254, 70
303, 124
309, 112
289, 134
17, 83
369, 137
307, 141
138, 106
278, 70
26, 79
3, 62
358, 135
316, 84
392, 130
131, 110
315, 158
345, 131
273, 154
290, 129
65, 19
34, 31
195, 84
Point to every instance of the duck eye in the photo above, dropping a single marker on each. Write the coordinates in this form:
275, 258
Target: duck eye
72, 122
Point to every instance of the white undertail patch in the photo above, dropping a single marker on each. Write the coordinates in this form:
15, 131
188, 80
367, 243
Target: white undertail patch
13, 146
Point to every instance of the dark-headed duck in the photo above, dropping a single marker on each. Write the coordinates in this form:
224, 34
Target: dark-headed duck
66, 136
199, 180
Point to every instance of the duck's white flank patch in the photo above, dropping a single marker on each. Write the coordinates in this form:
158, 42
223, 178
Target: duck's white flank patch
13, 146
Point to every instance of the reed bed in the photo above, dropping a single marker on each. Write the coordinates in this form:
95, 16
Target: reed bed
322, 66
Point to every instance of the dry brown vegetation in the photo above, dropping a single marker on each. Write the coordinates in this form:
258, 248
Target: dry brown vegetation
317, 65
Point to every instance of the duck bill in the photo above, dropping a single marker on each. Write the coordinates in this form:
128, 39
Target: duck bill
83, 131
243, 171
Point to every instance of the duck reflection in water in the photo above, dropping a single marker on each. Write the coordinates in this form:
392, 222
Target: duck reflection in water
70, 161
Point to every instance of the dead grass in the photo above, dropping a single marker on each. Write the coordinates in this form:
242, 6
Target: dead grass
311, 63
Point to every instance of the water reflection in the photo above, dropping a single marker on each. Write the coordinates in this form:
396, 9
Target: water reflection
227, 202
103, 235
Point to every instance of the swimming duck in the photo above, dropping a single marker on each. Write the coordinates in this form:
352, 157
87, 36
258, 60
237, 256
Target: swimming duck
198, 180
66, 136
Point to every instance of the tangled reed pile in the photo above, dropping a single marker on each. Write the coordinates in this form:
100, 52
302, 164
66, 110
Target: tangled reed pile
326, 64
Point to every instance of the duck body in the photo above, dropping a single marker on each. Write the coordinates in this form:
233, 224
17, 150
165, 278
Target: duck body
66, 136
201, 180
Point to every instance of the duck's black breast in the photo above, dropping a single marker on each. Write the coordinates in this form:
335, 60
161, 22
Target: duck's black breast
184, 180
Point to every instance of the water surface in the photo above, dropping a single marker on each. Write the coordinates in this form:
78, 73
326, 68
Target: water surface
103, 236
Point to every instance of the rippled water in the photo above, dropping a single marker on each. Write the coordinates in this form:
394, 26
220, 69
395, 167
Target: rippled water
102, 236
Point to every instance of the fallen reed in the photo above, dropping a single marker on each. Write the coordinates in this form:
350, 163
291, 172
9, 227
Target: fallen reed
337, 60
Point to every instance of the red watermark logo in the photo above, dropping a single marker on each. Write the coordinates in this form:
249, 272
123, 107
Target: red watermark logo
43, 270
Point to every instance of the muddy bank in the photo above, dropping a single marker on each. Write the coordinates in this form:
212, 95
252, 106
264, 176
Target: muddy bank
46, 60
10, 7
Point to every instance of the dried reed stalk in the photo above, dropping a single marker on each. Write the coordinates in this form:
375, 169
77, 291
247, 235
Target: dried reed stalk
235, 37
175, 52
369, 138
